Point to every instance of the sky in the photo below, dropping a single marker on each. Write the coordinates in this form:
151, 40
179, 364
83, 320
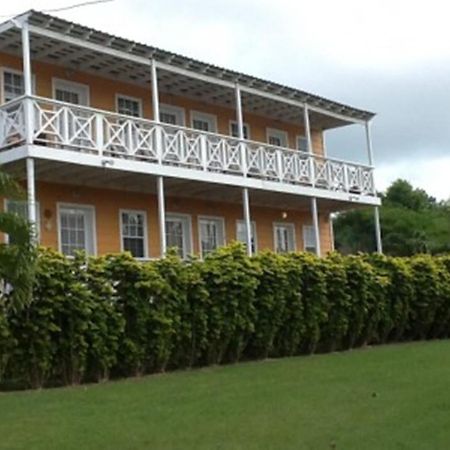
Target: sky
389, 57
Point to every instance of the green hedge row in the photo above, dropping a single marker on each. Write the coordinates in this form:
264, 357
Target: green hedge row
113, 316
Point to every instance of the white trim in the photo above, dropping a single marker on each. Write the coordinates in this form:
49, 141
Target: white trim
128, 97
173, 109
134, 211
211, 218
281, 134
244, 124
4, 69
67, 84
206, 117
189, 245
62, 205
287, 225
84, 159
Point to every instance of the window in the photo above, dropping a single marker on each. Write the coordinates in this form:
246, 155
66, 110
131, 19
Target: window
203, 121
277, 137
129, 106
76, 229
173, 115
133, 227
241, 234
284, 237
178, 233
70, 92
235, 132
21, 209
12, 85
211, 231
302, 144
309, 239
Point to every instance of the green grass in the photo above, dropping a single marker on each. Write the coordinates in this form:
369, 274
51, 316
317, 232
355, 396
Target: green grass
393, 397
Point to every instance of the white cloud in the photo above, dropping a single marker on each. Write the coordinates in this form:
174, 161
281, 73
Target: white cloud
432, 175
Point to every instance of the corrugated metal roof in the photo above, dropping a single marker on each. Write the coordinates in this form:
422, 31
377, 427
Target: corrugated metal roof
75, 30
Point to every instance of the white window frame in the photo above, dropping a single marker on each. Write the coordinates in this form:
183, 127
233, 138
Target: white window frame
130, 98
210, 218
297, 146
134, 211
172, 109
205, 117
38, 217
281, 134
187, 241
245, 124
289, 225
4, 69
62, 205
254, 234
63, 84
306, 229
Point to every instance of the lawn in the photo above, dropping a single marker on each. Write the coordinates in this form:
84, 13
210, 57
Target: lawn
392, 397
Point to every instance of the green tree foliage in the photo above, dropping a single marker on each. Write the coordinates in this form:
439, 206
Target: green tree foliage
96, 318
17, 257
412, 222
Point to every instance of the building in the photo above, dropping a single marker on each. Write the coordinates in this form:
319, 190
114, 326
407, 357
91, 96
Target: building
124, 146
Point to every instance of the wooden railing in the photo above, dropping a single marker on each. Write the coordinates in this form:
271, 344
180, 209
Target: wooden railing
59, 125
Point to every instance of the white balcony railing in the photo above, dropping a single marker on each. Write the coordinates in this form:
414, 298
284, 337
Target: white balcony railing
59, 125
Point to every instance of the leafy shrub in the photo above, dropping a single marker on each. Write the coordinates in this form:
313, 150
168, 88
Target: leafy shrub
92, 318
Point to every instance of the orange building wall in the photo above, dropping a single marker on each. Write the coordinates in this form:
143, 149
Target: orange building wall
102, 93
108, 203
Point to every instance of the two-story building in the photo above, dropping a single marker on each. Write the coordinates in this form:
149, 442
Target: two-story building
124, 146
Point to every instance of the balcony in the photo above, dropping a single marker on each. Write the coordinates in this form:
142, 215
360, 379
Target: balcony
114, 140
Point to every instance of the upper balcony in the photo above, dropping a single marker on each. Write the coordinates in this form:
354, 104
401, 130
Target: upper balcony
46, 129
73, 133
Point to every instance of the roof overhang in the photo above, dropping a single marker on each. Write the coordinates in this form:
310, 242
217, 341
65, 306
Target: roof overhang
60, 42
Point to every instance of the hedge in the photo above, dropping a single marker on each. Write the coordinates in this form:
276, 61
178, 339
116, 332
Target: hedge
96, 318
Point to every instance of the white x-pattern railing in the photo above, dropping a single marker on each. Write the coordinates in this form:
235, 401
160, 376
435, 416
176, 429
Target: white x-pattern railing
59, 125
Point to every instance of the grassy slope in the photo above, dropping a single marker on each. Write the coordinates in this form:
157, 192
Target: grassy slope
394, 397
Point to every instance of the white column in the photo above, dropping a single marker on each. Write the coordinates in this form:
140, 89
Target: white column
315, 219
155, 93
309, 142
239, 117
27, 78
247, 220
332, 232
376, 212
31, 195
161, 216
376, 216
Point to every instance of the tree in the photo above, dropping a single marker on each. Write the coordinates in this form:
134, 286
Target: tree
411, 221
17, 257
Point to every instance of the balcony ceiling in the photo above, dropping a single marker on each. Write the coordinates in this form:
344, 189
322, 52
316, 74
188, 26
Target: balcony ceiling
94, 61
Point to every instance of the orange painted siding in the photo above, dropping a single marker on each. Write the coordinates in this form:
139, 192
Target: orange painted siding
108, 203
103, 91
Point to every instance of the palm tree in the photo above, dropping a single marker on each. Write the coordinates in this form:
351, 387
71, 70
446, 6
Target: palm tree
17, 257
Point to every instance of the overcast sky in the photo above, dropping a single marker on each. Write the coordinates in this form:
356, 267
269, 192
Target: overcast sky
390, 57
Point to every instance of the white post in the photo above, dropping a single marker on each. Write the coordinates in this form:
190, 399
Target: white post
27, 78
247, 220
155, 93
161, 216
315, 218
309, 142
332, 232
376, 212
240, 126
31, 195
